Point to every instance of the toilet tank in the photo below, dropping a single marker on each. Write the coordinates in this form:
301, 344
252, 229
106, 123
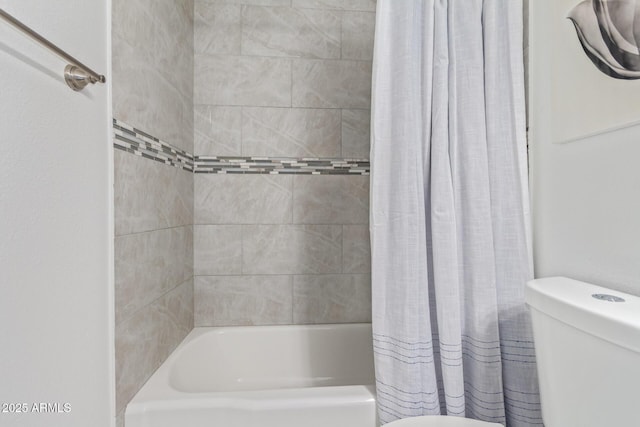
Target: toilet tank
587, 342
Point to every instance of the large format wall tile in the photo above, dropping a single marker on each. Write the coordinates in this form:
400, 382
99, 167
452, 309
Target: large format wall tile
284, 31
153, 67
368, 5
356, 249
149, 264
291, 132
236, 80
299, 86
243, 199
150, 195
218, 130
331, 84
153, 105
332, 299
145, 340
291, 249
357, 35
243, 300
356, 131
331, 199
218, 249
217, 28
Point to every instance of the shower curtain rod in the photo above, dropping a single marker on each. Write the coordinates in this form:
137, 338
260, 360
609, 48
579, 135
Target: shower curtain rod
76, 74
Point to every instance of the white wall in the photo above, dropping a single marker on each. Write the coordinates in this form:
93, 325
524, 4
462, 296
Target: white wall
586, 193
56, 230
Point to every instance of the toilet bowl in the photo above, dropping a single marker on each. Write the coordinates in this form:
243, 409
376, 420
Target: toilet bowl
440, 421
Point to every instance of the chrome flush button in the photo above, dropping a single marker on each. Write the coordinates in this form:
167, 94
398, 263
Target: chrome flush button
609, 298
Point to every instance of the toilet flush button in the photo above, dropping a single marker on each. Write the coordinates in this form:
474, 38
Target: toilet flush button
609, 298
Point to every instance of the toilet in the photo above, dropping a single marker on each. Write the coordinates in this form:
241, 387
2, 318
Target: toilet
587, 342
440, 421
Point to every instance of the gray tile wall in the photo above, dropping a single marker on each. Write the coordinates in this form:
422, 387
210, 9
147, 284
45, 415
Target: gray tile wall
272, 78
282, 78
153, 91
153, 68
154, 260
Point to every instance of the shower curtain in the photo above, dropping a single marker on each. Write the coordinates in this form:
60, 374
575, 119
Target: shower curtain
449, 213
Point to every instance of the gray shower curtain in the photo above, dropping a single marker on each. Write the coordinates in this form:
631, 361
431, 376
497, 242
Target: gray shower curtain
449, 213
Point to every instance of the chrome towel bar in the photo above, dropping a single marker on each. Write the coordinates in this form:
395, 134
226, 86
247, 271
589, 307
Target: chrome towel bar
76, 74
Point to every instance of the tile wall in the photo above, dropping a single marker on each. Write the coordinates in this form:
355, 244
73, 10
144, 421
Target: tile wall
282, 78
153, 68
152, 91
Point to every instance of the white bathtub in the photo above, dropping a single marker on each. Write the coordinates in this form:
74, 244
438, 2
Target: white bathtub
263, 376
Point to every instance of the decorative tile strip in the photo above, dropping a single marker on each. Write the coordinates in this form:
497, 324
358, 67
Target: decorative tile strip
271, 165
135, 141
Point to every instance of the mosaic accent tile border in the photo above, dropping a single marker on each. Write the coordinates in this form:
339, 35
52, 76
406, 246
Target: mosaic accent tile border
137, 142
280, 166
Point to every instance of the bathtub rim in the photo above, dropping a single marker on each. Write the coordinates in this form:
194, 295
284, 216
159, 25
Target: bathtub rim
158, 394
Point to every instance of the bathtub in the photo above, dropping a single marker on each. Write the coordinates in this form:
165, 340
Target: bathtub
263, 376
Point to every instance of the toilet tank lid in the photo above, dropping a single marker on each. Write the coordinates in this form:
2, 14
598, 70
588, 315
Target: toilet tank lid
573, 302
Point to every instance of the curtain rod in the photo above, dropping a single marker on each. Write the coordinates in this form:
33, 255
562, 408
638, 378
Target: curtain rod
76, 74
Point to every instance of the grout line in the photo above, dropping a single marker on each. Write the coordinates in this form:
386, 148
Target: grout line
342, 132
293, 199
291, 83
280, 224
242, 250
342, 248
280, 107
193, 302
135, 233
283, 58
242, 38
342, 12
281, 275
241, 130
293, 295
